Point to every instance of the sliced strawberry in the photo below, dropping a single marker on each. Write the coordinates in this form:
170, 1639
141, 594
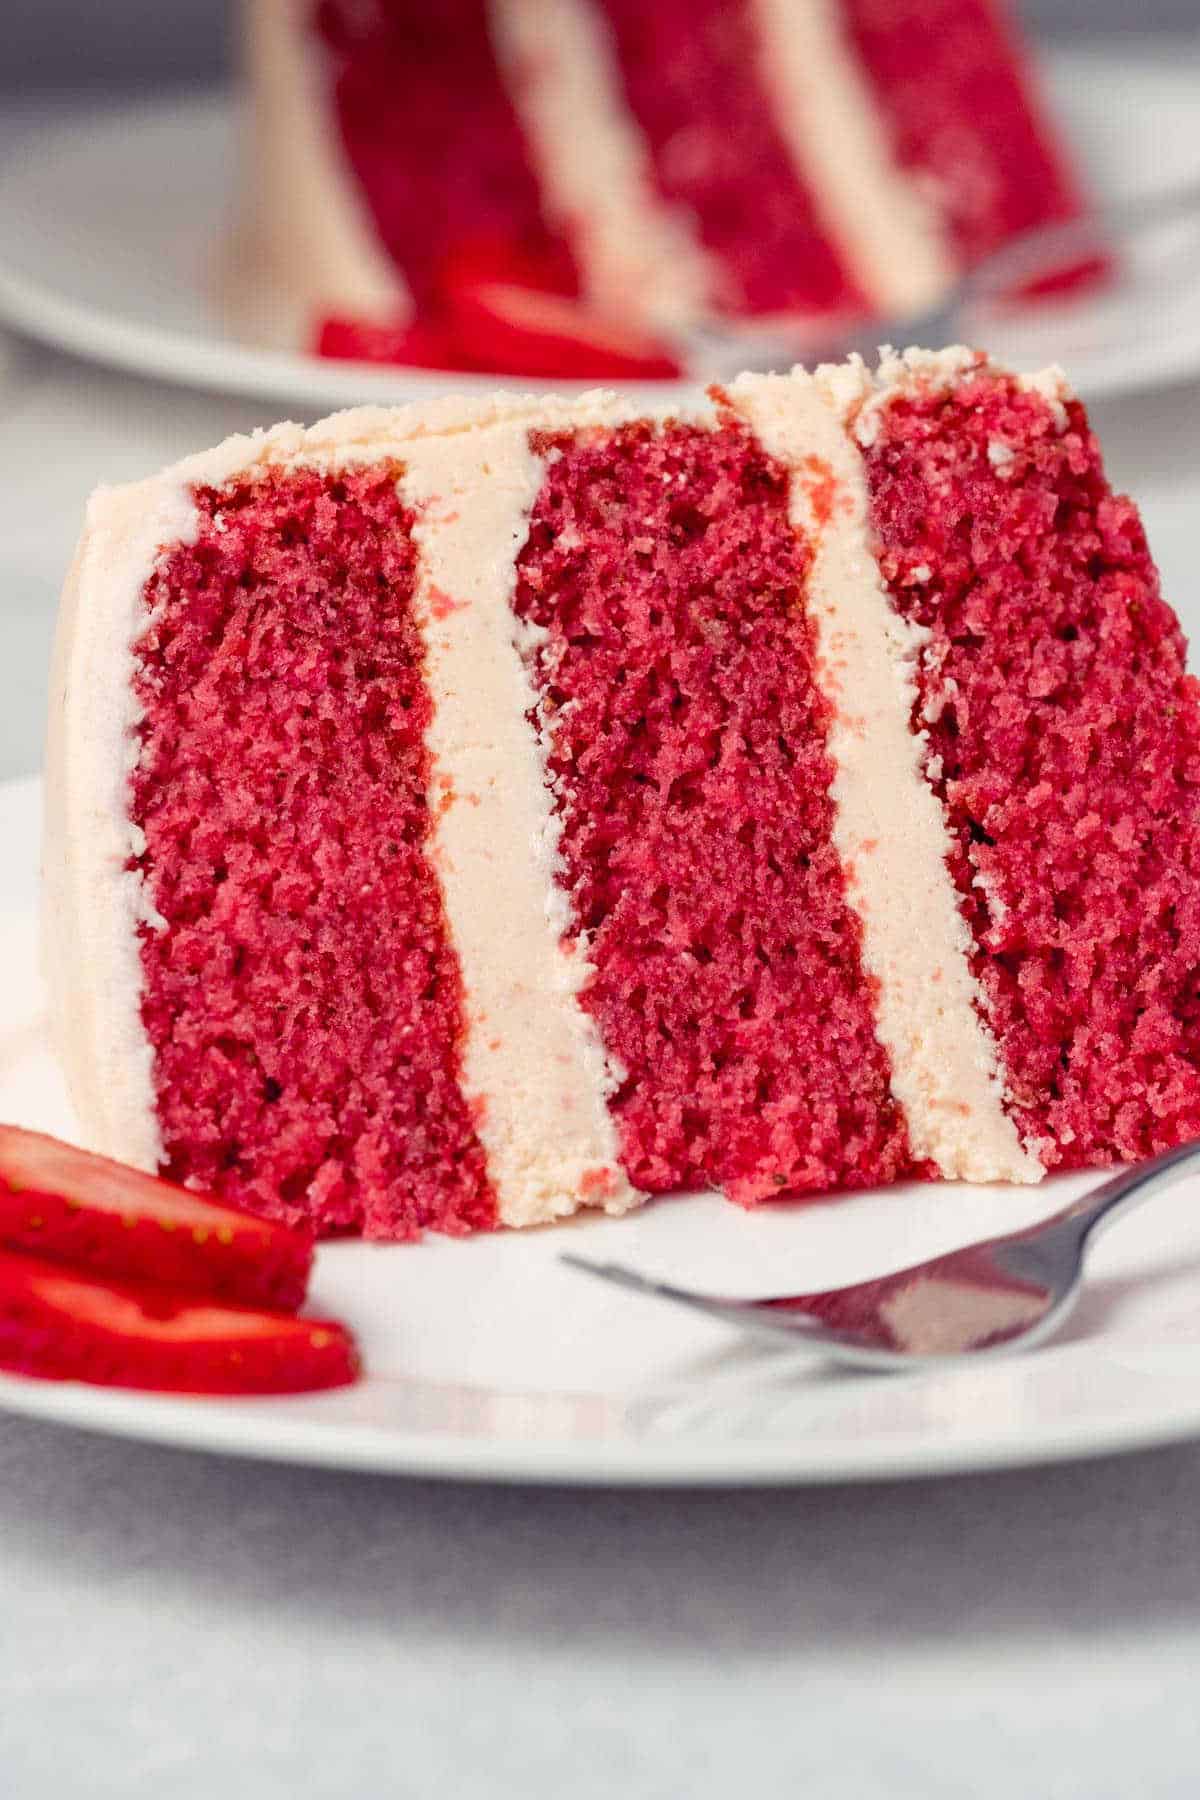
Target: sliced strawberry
420, 344
486, 257
513, 330
66, 1326
99, 1215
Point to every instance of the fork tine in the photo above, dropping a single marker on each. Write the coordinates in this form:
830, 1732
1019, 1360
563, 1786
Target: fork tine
753, 1314
623, 1276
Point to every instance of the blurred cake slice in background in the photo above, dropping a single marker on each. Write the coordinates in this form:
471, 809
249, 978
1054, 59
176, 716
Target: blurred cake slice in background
771, 161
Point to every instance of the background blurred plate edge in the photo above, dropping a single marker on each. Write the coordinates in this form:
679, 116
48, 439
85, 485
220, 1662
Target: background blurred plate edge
1100, 91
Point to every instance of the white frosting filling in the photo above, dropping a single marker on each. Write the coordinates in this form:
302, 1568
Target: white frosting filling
303, 244
532, 1064
889, 231
889, 828
1054, 388
91, 902
636, 251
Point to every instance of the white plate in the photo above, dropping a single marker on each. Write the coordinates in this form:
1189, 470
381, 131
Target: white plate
487, 1358
108, 227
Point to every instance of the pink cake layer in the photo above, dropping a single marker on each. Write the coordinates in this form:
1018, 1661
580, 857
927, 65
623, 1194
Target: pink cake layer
574, 762
691, 80
301, 998
687, 746
1064, 739
951, 86
431, 135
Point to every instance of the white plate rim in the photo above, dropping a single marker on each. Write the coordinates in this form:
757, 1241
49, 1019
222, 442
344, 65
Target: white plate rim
316, 1431
219, 1428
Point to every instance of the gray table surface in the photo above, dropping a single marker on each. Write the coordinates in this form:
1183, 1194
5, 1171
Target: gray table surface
179, 1624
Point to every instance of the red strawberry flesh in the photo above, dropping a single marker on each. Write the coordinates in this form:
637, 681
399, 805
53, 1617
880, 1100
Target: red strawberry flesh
421, 344
515, 330
494, 258
62, 1325
98, 1215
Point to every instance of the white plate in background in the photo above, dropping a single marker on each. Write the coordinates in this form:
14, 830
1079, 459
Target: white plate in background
109, 224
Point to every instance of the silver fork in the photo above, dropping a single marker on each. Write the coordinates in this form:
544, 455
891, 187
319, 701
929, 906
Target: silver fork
989, 1299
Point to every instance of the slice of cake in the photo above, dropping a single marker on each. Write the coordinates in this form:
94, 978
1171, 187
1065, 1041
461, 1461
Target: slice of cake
460, 817
772, 160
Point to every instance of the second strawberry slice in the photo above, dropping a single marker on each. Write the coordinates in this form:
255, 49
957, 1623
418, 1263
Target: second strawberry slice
513, 330
63, 1325
98, 1215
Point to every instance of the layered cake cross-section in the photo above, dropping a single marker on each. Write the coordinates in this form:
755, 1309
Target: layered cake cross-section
462, 816
774, 161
